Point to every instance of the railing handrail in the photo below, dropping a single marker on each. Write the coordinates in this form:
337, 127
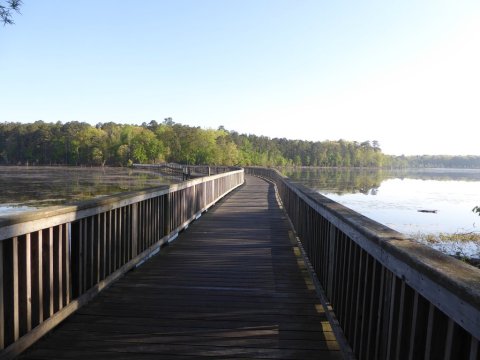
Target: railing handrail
451, 285
33, 220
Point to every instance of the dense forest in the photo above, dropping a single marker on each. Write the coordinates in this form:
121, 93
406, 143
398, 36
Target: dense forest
78, 143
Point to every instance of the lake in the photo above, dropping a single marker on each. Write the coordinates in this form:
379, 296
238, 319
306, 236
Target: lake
394, 198
391, 197
26, 188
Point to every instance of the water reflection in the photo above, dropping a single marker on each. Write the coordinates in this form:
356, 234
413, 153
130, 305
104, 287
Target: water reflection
33, 187
339, 181
396, 197
367, 181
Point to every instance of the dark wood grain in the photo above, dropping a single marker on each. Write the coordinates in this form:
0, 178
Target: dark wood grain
230, 286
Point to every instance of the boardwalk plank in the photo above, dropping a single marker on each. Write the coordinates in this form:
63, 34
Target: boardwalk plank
230, 287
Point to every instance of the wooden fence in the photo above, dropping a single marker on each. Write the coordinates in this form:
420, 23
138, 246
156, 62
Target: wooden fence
53, 261
185, 172
394, 298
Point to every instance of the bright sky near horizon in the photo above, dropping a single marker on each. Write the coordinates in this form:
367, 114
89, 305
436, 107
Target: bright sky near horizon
405, 73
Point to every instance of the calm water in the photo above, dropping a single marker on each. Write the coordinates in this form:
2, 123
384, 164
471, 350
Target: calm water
393, 197
27, 188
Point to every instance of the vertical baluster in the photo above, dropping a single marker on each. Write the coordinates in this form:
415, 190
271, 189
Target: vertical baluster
103, 250
14, 306
122, 236
405, 321
153, 219
50, 270
27, 262
343, 277
474, 349
60, 266
40, 276
358, 321
384, 331
166, 213
140, 238
2, 316
419, 325
68, 288
348, 297
329, 246
430, 330
366, 315
74, 255
332, 246
127, 232
354, 284
337, 276
135, 250
358, 298
96, 249
380, 311
86, 254
109, 243
92, 250
157, 218
159, 210
22, 290
55, 257
81, 255
393, 322
144, 229
114, 239
149, 220
458, 342
119, 238
438, 339
449, 339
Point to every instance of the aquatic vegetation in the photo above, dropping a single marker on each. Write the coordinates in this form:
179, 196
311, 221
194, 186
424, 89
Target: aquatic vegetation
461, 245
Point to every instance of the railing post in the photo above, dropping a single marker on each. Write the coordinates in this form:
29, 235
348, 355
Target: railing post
11, 315
331, 260
166, 214
2, 317
134, 229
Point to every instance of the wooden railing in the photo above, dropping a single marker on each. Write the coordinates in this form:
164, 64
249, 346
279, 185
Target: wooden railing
53, 261
394, 298
186, 172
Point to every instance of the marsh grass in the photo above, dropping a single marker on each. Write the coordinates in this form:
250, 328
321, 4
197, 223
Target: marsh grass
445, 237
463, 246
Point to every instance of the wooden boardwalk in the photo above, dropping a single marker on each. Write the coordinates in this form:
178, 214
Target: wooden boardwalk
233, 285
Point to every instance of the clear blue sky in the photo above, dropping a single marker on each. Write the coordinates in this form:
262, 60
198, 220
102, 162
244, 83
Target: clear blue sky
405, 73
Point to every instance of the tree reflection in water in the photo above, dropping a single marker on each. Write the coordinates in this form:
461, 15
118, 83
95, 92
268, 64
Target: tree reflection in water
34, 186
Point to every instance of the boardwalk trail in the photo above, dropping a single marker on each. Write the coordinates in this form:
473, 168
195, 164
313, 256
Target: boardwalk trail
231, 286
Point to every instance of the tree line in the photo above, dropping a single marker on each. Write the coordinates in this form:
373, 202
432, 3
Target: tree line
437, 161
79, 143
